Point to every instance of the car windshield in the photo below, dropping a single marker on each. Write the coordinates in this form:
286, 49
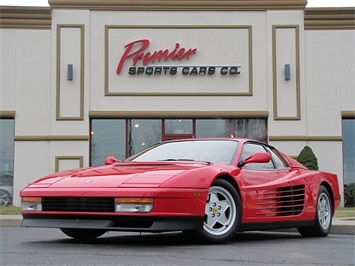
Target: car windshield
214, 151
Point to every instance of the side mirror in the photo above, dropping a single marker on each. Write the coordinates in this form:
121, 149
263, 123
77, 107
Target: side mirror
258, 157
111, 160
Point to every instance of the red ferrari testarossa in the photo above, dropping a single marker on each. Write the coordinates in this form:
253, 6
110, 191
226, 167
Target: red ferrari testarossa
209, 188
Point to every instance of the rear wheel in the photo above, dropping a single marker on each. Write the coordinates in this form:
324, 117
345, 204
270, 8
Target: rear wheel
223, 213
323, 221
83, 233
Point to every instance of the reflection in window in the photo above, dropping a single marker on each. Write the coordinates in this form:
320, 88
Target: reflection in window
251, 128
178, 126
209, 128
238, 128
248, 150
277, 158
349, 150
219, 151
6, 160
108, 137
142, 133
123, 138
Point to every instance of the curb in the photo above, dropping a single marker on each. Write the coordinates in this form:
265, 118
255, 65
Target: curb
343, 226
10, 220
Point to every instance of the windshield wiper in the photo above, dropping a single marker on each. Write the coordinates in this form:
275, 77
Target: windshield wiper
173, 160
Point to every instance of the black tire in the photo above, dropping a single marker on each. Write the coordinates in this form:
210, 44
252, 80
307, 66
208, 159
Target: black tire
5, 198
83, 233
223, 214
324, 215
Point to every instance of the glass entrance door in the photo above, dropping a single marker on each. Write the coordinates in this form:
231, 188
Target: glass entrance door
178, 129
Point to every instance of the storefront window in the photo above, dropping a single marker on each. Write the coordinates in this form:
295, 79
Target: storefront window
251, 128
178, 126
108, 137
142, 133
123, 138
6, 161
239, 128
349, 150
208, 128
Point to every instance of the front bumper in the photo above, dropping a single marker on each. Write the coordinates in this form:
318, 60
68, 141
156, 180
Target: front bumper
112, 223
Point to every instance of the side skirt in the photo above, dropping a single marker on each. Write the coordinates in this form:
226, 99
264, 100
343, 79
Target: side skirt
278, 225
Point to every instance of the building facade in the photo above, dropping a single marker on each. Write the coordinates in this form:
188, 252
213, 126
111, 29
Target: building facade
82, 80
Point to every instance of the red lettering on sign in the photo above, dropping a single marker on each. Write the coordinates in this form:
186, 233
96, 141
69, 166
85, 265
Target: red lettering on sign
135, 50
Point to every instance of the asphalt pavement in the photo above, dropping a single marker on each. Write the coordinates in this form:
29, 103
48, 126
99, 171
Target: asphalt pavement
344, 225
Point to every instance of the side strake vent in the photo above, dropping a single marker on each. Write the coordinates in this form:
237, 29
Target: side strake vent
76, 204
285, 201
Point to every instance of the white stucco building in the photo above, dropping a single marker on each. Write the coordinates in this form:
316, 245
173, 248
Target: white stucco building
81, 78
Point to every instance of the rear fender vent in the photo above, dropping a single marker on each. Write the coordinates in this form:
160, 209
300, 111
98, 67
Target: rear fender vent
284, 201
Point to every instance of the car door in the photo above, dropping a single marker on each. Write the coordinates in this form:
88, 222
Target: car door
259, 182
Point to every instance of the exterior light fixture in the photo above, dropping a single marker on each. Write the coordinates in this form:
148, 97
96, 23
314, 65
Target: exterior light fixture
70, 72
287, 72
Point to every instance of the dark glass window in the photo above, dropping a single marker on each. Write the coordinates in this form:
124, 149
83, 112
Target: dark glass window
123, 138
207, 128
142, 133
349, 150
178, 126
248, 150
6, 160
108, 137
277, 159
254, 128
251, 128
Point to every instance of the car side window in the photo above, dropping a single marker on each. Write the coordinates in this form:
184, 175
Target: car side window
248, 150
277, 159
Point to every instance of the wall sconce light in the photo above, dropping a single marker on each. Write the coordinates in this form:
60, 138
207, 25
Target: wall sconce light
70, 72
287, 72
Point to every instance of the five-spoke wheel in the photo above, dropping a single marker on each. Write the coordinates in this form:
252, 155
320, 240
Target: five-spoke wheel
222, 213
323, 221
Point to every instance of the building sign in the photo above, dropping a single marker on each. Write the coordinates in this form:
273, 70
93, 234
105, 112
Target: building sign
138, 52
181, 60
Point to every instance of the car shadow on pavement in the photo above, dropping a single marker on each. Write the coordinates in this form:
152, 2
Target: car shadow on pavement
170, 239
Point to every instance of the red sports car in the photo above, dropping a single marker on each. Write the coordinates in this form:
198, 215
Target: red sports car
210, 188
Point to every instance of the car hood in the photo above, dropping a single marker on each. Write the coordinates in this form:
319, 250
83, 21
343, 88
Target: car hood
133, 174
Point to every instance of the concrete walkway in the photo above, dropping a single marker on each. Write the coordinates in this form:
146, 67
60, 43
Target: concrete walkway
344, 225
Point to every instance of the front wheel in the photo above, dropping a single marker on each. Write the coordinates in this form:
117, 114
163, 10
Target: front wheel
82, 233
323, 221
223, 213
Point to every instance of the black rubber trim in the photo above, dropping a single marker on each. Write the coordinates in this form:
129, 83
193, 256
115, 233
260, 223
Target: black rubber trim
113, 223
276, 225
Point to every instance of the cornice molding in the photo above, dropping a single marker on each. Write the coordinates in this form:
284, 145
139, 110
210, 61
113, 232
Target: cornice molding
25, 18
348, 114
7, 114
329, 18
305, 138
17, 17
178, 114
176, 5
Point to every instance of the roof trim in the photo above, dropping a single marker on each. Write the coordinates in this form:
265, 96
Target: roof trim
176, 5
25, 18
178, 114
41, 18
329, 18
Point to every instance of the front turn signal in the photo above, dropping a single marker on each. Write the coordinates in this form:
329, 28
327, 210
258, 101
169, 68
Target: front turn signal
31, 203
